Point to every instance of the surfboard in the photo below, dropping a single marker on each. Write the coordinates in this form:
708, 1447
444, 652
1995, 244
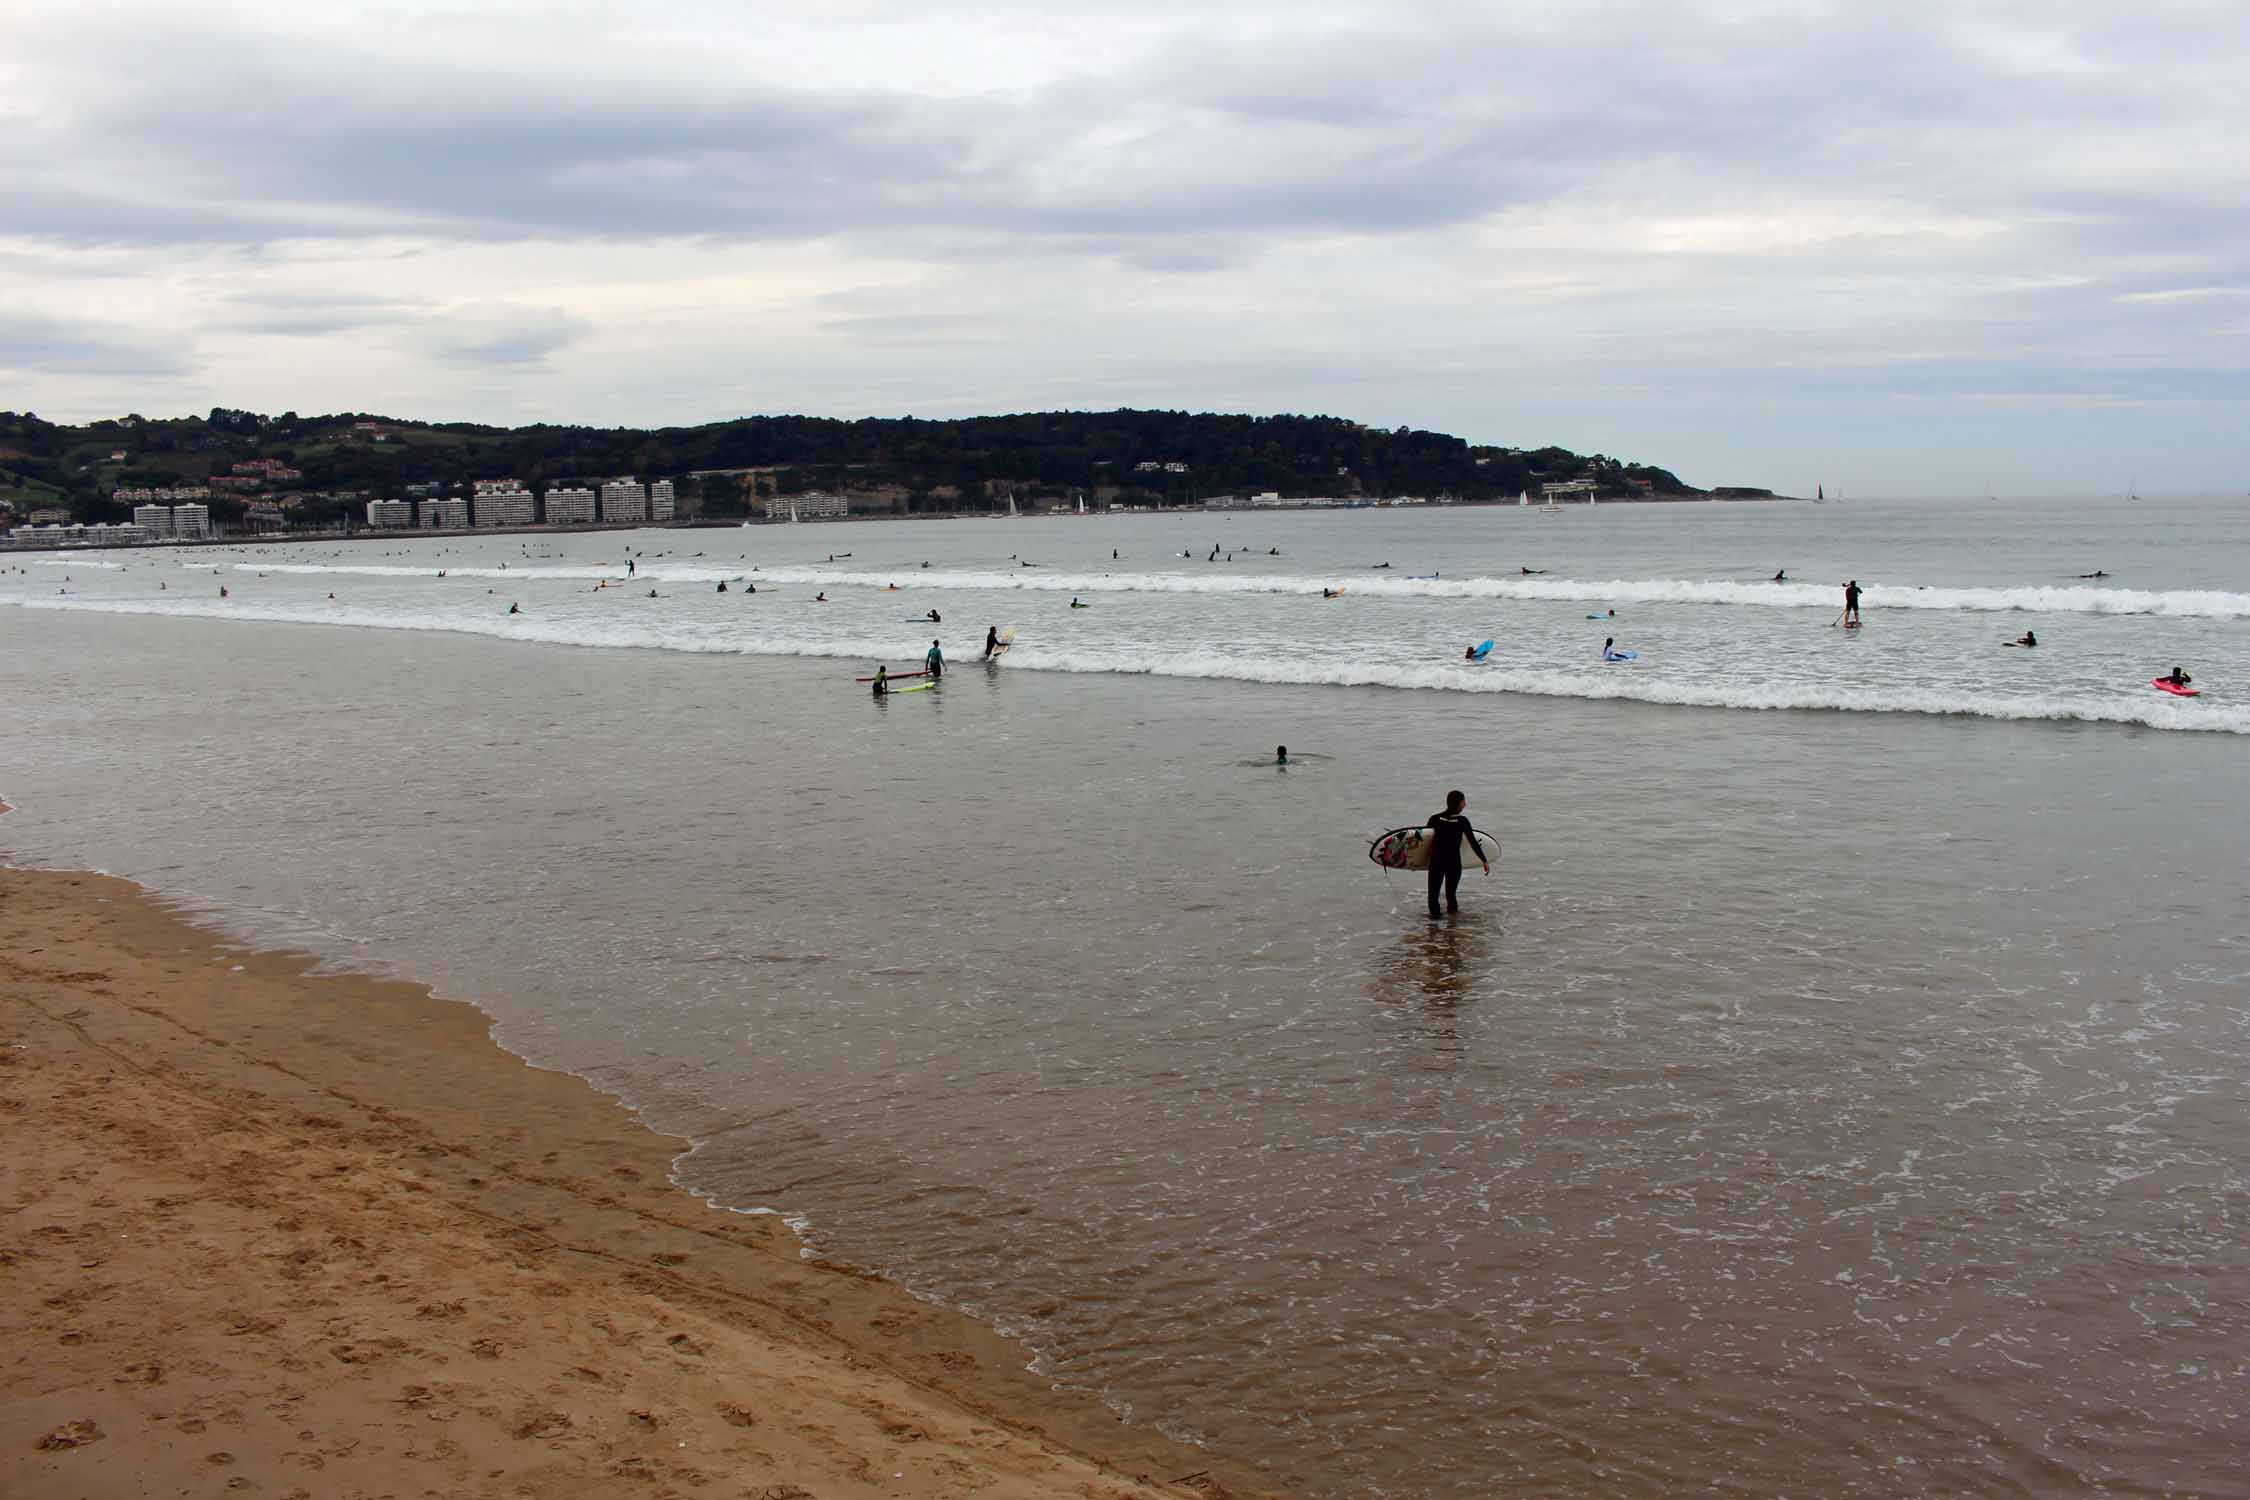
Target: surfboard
893, 676
1409, 849
2166, 685
1481, 652
919, 687
1623, 656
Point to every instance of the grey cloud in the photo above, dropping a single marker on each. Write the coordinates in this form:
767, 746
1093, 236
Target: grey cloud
500, 333
33, 343
312, 314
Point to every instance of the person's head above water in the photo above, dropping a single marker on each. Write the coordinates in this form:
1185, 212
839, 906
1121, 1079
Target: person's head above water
1455, 801
1281, 752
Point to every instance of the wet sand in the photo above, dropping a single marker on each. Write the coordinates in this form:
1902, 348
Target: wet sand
270, 1233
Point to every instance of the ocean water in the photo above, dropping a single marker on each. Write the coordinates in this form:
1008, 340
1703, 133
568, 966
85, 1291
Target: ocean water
1838, 1088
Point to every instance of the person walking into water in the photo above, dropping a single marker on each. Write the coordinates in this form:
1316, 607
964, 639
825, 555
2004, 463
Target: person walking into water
1851, 602
935, 662
1449, 830
991, 641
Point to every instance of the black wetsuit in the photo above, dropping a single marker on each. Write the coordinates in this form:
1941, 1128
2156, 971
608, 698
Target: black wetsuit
991, 642
1447, 832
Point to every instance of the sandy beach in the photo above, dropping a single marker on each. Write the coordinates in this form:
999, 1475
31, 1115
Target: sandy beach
270, 1233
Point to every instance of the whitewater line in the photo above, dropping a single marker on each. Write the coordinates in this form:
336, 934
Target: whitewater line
2028, 599
1589, 684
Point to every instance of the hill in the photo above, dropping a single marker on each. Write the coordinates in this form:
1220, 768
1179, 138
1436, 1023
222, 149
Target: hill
721, 468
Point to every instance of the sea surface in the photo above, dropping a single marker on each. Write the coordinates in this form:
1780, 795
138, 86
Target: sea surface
1839, 1087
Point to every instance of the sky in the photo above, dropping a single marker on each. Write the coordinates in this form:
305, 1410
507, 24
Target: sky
1891, 249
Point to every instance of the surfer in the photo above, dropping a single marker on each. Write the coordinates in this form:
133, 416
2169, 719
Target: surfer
2028, 638
934, 620
1281, 755
1851, 602
1327, 593
1447, 830
722, 585
631, 568
2097, 573
222, 591
991, 641
935, 661
820, 598
1074, 604
1530, 572
882, 679
1782, 576
2178, 677
1611, 653
513, 609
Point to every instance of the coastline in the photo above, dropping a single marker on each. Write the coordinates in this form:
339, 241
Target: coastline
323, 1235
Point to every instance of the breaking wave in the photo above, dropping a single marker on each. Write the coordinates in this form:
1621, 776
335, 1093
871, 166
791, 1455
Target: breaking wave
2214, 604
2153, 712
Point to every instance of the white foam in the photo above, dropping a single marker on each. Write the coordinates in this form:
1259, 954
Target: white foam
74, 562
2155, 712
2030, 599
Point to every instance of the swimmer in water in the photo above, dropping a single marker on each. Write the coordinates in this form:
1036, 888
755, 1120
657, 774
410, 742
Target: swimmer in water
1281, 755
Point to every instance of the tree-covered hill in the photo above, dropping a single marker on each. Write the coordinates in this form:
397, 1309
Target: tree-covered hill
958, 463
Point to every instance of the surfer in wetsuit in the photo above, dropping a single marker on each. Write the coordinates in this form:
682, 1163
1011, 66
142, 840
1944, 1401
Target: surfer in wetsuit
2028, 638
1447, 831
935, 661
722, 585
513, 609
1530, 572
1851, 602
991, 641
1610, 653
2178, 677
934, 620
2097, 573
882, 680
1281, 755
1782, 576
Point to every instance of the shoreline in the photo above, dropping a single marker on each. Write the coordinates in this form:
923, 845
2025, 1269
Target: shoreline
321, 1232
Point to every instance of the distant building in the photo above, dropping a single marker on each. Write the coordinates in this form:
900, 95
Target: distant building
50, 515
481, 485
624, 500
390, 513
660, 500
264, 517
75, 534
445, 515
1569, 492
156, 520
504, 507
813, 505
191, 521
570, 506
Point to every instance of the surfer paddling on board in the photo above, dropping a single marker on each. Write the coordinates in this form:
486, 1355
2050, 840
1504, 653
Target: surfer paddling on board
2178, 677
2028, 638
1448, 831
1851, 602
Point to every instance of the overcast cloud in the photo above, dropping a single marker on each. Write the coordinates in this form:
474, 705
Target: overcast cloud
1910, 249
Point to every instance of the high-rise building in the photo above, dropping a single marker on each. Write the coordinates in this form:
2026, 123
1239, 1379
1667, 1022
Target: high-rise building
624, 500
191, 520
570, 505
156, 520
445, 515
390, 513
498, 507
660, 500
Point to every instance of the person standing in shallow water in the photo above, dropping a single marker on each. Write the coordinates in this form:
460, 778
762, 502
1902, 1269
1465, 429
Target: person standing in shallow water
1449, 832
1851, 602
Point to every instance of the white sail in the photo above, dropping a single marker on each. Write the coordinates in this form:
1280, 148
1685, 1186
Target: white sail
1523, 497
1011, 505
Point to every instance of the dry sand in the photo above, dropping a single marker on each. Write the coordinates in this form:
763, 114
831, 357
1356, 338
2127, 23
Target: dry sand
270, 1234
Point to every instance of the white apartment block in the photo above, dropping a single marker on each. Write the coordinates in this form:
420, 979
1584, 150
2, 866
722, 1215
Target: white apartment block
76, 534
481, 485
191, 520
498, 507
390, 513
813, 505
445, 515
570, 506
660, 500
624, 500
156, 520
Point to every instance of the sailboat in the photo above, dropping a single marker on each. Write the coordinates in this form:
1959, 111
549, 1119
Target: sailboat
793, 517
1011, 506
1820, 494
1082, 505
2133, 490
1523, 497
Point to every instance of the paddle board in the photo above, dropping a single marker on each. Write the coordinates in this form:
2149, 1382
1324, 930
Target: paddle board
1409, 849
2166, 685
1481, 652
893, 676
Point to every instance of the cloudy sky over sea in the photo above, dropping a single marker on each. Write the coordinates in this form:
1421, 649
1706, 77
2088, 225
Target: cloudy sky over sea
1914, 248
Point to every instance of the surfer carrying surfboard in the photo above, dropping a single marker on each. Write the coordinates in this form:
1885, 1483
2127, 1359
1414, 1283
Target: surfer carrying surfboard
991, 640
1448, 831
